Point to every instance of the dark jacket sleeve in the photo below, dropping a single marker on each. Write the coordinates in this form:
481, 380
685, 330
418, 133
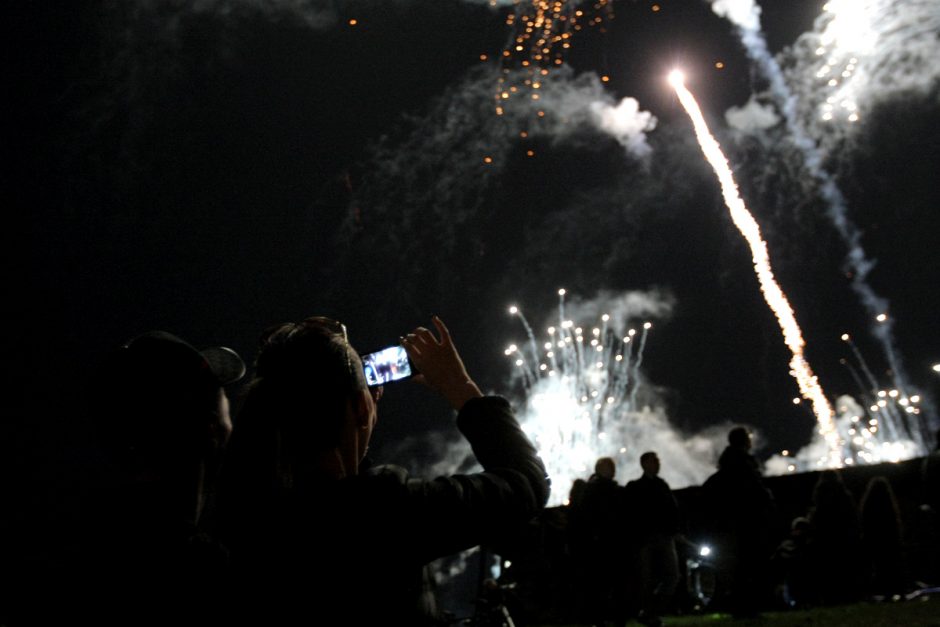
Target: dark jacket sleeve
442, 516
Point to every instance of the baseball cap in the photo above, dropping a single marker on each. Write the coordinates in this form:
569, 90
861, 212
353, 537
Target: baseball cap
161, 350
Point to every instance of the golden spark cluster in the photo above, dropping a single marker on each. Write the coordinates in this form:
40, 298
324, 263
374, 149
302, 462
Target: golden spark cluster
541, 34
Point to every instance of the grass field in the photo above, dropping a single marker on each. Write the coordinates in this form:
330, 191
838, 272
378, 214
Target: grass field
922, 612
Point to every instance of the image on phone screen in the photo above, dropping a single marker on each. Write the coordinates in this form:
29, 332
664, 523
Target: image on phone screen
387, 365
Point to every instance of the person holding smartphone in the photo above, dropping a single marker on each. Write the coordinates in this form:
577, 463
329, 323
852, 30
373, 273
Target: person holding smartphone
312, 534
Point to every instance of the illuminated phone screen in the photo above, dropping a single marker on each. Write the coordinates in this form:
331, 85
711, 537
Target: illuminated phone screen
385, 366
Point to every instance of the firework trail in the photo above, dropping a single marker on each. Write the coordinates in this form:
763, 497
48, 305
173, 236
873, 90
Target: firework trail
776, 299
848, 20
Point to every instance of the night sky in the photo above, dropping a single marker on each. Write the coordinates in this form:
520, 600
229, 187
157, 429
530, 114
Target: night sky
213, 170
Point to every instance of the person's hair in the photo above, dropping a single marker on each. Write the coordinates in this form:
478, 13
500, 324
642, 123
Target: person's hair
294, 408
738, 437
304, 375
647, 457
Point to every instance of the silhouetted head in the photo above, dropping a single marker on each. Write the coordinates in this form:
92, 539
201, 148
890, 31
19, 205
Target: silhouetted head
159, 402
309, 388
605, 467
649, 462
740, 438
577, 490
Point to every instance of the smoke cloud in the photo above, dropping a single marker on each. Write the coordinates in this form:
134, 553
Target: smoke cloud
753, 117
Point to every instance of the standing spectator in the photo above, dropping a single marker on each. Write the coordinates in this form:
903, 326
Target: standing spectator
793, 584
930, 510
835, 541
316, 538
882, 538
738, 509
602, 523
654, 515
161, 417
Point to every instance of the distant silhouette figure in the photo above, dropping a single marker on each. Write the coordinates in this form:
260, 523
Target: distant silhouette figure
602, 518
882, 538
930, 508
654, 515
835, 541
738, 509
791, 566
315, 536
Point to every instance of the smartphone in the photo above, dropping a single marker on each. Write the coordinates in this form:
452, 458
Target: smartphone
386, 365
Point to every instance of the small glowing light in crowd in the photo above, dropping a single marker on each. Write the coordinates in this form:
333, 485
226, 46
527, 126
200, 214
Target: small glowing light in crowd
845, 337
487, 159
562, 292
519, 362
915, 398
513, 309
623, 449
881, 317
785, 453
893, 393
605, 78
530, 153
655, 8
791, 468
719, 65
797, 400
483, 57
353, 22
936, 367
882, 393
705, 551
605, 317
647, 325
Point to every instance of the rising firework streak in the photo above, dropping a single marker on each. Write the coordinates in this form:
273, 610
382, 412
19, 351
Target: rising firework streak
773, 294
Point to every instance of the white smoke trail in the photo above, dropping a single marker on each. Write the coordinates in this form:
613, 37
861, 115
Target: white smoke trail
852, 20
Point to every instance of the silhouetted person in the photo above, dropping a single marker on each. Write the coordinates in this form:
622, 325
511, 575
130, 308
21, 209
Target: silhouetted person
835, 541
315, 537
162, 418
578, 538
791, 566
602, 512
930, 509
739, 509
654, 522
882, 538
